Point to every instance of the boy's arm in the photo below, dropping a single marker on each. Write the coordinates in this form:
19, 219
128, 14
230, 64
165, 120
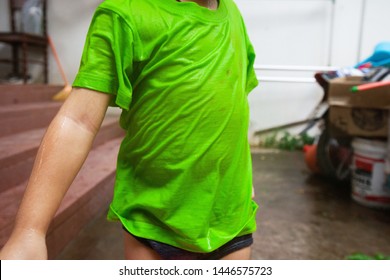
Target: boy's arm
63, 151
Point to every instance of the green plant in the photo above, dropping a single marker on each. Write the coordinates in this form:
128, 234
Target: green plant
287, 141
270, 141
360, 256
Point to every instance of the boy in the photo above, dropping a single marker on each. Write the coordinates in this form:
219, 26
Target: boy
181, 72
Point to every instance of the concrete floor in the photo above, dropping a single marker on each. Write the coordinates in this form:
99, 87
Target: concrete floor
301, 217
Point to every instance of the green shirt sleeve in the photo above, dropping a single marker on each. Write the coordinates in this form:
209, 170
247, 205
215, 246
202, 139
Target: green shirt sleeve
107, 60
251, 81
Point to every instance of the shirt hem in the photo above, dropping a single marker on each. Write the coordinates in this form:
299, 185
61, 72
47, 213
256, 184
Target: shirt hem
157, 233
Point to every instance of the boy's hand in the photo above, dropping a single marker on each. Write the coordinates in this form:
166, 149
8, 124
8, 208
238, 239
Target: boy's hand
26, 245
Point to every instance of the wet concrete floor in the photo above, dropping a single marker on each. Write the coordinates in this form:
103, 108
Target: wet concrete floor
301, 217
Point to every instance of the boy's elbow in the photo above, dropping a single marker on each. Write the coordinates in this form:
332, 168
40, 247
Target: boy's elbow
86, 109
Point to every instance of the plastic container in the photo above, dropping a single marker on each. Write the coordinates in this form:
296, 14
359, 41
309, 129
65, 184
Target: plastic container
380, 56
32, 16
369, 180
311, 158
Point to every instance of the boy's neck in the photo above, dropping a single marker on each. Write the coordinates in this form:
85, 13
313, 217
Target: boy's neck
209, 4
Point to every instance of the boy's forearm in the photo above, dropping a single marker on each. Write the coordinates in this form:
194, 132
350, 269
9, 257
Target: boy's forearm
61, 155
63, 150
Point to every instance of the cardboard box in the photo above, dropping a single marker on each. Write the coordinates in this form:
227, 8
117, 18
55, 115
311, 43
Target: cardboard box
362, 113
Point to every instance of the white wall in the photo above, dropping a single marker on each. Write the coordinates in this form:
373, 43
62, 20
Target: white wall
286, 33
68, 25
306, 34
376, 25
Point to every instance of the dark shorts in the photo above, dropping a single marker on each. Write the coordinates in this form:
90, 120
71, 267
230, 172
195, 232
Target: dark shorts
168, 252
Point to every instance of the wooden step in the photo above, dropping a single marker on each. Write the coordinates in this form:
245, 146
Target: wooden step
16, 94
25, 113
89, 195
22, 117
18, 151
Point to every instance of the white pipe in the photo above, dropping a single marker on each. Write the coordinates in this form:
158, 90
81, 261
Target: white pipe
361, 28
331, 31
295, 68
286, 79
296, 0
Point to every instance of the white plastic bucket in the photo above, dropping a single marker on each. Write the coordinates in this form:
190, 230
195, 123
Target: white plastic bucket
369, 180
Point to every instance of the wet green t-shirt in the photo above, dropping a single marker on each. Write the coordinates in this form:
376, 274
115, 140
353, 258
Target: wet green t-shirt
181, 73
